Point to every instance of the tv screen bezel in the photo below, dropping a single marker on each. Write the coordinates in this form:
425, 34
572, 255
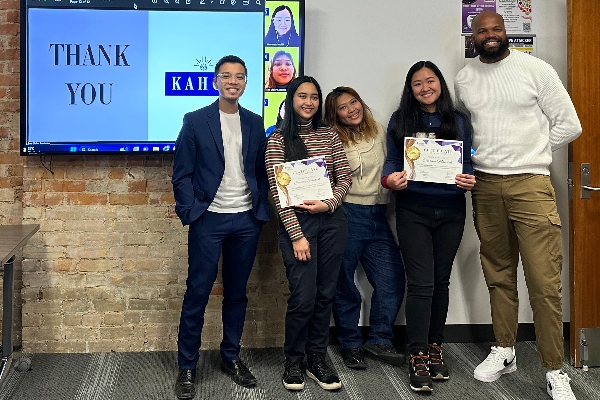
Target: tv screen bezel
164, 147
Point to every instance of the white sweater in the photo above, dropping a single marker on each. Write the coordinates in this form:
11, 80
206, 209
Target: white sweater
520, 113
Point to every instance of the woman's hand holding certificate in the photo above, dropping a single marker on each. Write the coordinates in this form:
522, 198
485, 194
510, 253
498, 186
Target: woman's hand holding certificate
397, 180
465, 181
313, 206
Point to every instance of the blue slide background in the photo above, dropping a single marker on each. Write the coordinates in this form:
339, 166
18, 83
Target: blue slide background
159, 42
51, 118
178, 39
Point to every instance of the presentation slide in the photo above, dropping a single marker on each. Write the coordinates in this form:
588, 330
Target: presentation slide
130, 75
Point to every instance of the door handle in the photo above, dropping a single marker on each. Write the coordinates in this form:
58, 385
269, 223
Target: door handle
586, 181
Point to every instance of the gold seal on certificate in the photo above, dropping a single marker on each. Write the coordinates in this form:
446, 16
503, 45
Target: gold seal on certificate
301, 180
413, 153
433, 160
283, 178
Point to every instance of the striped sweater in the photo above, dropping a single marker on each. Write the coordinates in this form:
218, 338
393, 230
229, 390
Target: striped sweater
322, 142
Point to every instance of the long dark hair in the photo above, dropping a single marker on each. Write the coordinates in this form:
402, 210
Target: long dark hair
409, 119
295, 149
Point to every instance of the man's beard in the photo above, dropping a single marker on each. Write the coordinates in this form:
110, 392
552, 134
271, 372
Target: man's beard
491, 54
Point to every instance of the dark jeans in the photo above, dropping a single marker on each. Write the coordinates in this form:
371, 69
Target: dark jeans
370, 241
236, 235
429, 238
312, 283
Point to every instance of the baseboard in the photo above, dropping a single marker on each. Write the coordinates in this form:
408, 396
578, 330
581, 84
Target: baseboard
463, 333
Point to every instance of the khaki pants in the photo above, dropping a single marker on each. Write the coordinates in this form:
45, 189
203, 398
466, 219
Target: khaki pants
516, 214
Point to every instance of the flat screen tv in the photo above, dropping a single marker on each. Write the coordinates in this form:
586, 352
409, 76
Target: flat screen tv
117, 76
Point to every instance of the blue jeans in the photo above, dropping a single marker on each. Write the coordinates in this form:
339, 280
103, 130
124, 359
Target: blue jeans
371, 242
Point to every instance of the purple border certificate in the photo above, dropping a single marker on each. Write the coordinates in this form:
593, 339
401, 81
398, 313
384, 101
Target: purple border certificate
433, 160
302, 180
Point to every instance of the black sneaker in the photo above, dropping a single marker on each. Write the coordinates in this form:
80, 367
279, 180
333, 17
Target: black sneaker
318, 370
418, 373
354, 358
437, 369
293, 378
384, 352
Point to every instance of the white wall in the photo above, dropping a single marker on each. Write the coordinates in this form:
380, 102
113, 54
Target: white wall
370, 45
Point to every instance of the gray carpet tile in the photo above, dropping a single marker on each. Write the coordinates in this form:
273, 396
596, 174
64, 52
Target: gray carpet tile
133, 376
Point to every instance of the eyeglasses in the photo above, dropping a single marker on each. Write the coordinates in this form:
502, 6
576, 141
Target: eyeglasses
238, 77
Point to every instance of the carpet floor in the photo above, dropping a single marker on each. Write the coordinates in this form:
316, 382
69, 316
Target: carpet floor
132, 376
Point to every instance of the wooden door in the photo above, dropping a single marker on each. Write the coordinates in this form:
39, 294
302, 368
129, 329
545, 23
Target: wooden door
583, 52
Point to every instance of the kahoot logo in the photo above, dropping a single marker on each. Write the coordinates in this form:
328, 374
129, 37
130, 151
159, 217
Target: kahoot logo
191, 83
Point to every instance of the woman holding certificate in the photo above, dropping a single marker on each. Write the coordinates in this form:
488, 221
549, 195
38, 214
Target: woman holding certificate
370, 238
429, 167
312, 232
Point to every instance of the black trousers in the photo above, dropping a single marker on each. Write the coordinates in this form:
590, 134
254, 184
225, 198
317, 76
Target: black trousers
312, 283
429, 238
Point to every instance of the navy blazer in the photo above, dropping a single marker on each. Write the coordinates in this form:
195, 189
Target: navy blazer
199, 162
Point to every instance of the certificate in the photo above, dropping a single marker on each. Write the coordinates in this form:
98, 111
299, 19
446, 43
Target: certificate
433, 160
302, 180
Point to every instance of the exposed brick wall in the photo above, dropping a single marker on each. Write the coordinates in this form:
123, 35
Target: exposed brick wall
106, 271
11, 165
11, 168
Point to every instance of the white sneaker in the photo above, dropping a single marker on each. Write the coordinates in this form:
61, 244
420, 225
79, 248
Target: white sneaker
557, 385
500, 361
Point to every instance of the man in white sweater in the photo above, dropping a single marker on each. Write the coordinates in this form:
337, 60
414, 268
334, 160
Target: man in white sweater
520, 113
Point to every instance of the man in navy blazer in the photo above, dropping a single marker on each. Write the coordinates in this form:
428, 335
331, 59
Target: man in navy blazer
220, 186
